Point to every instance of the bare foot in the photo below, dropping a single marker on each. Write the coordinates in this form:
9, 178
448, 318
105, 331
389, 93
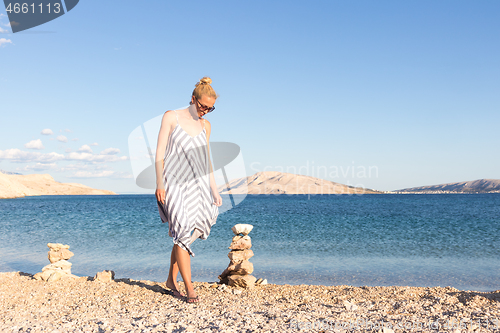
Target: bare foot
174, 287
192, 297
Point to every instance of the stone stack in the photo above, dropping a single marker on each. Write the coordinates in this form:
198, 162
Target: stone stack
59, 266
237, 273
105, 276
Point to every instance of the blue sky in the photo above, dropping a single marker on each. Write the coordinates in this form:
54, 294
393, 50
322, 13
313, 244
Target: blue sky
406, 89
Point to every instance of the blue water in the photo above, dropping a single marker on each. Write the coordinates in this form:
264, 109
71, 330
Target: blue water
372, 240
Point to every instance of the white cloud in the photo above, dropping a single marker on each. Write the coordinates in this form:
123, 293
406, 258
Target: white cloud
85, 148
16, 155
67, 130
77, 166
92, 174
34, 144
41, 166
68, 150
62, 138
2, 30
94, 144
83, 156
75, 139
47, 131
110, 151
5, 41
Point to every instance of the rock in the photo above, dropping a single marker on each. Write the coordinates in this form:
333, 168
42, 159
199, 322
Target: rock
223, 276
44, 276
243, 243
56, 275
242, 229
57, 246
54, 256
350, 306
240, 255
73, 276
223, 281
244, 267
244, 281
62, 254
61, 265
237, 291
105, 276
66, 254
261, 281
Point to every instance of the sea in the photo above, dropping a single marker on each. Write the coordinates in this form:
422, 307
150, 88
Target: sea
423, 240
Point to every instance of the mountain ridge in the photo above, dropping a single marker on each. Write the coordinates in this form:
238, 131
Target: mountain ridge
473, 186
277, 182
18, 186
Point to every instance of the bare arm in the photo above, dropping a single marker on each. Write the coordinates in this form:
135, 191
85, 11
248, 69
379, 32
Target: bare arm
213, 185
163, 136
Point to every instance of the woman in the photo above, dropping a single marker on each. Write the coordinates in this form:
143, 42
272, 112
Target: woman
186, 191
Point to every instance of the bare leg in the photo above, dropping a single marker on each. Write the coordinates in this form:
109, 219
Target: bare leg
173, 272
184, 263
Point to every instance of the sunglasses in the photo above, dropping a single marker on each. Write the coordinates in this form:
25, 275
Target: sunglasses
204, 107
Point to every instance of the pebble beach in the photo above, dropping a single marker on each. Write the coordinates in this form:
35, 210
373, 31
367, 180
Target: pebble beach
83, 304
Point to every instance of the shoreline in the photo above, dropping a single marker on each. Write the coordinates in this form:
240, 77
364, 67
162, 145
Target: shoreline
81, 304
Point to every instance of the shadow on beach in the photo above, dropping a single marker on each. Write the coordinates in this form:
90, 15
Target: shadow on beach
154, 286
468, 297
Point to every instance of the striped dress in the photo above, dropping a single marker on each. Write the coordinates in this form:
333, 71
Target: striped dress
186, 177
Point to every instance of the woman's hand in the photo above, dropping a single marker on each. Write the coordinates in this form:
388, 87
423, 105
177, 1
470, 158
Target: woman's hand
217, 199
160, 195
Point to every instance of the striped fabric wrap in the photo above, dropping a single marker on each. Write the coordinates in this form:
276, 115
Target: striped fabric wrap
186, 177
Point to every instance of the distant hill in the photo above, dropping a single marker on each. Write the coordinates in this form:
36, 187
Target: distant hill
475, 186
9, 172
15, 186
275, 182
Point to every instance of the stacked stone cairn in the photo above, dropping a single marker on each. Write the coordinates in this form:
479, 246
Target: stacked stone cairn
237, 273
59, 266
105, 276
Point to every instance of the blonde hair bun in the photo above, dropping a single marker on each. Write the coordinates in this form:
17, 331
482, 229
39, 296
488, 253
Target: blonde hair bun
205, 80
203, 87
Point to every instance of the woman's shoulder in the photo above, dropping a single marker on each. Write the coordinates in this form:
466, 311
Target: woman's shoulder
169, 116
170, 112
169, 120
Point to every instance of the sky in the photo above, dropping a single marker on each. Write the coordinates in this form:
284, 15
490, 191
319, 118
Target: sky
380, 94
